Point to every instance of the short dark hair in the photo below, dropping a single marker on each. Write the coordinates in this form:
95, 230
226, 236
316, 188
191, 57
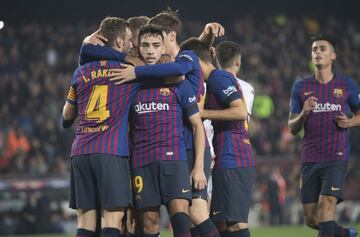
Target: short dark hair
136, 22
113, 27
327, 38
226, 53
200, 49
150, 29
169, 20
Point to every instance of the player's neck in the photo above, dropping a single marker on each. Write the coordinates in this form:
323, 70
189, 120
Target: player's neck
324, 75
232, 70
174, 51
207, 68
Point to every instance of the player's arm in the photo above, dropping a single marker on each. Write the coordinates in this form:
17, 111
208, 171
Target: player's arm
210, 32
296, 121
69, 115
187, 100
180, 67
235, 111
197, 174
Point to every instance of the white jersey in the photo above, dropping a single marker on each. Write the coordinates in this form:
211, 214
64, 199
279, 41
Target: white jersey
248, 93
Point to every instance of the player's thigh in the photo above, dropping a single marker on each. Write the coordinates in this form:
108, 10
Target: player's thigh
83, 190
310, 182
333, 178
231, 195
174, 181
198, 211
86, 219
113, 181
178, 206
112, 218
146, 186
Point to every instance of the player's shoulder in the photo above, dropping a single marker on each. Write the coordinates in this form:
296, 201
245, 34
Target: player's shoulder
188, 54
302, 81
183, 86
345, 78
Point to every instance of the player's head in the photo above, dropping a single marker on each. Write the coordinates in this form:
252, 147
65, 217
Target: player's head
118, 33
135, 23
322, 51
200, 49
151, 43
171, 23
228, 55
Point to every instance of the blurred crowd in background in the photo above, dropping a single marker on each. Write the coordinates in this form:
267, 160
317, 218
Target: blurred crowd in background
37, 61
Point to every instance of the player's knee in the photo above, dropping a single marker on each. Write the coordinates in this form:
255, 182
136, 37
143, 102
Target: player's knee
112, 219
178, 205
86, 219
236, 226
198, 211
151, 224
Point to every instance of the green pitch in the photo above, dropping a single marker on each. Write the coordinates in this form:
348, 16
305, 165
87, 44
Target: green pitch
286, 231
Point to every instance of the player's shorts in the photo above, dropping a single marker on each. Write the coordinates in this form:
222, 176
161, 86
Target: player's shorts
200, 193
325, 178
161, 181
231, 194
99, 181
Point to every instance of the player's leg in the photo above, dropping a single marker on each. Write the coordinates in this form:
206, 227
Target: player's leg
232, 190
310, 186
147, 200
176, 194
333, 178
151, 221
83, 195
178, 210
113, 187
201, 224
134, 225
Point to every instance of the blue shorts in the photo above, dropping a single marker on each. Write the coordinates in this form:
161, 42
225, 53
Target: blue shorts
325, 178
99, 181
159, 182
231, 194
197, 193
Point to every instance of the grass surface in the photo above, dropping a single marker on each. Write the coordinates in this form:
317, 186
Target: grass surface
286, 231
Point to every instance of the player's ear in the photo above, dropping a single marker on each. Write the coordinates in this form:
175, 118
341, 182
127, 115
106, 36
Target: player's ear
172, 36
238, 62
119, 43
333, 56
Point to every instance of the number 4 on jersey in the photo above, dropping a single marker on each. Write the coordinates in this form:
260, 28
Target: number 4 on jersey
96, 107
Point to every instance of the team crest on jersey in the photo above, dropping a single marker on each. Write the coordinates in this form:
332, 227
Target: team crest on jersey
164, 91
338, 92
103, 63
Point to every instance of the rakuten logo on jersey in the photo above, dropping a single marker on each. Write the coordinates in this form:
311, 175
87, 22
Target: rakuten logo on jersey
326, 107
151, 107
228, 91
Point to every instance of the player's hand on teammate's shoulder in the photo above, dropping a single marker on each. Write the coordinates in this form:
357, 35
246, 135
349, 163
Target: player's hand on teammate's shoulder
309, 105
123, 75
166, 58
198, 178
214, 28
343, 121
95, 39
134, 60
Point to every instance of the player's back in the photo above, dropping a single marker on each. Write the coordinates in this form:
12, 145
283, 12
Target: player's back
231, 139
103, 109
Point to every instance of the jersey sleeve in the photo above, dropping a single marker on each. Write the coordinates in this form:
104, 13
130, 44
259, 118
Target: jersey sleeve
354, 98
295, 101
183, 64
224, 88
187, 99
89, 53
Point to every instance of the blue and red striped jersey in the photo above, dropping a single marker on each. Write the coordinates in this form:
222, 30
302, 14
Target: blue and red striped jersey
231, 140
103, 110
157, 132
323, 139
186, 63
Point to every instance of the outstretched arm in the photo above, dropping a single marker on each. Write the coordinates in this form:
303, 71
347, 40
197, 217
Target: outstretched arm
210, 32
